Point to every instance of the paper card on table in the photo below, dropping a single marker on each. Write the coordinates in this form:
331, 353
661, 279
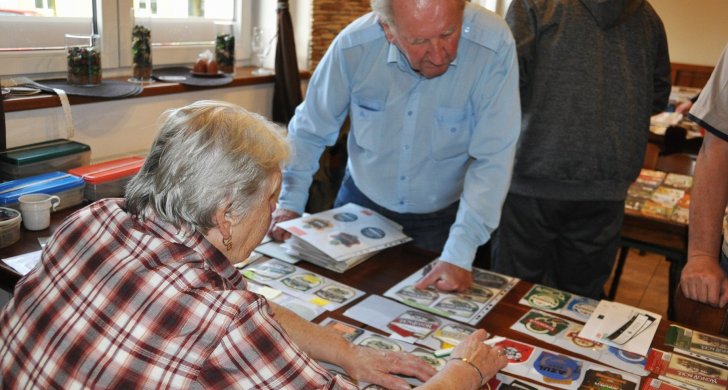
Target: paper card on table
408, 324
306, 310
565, 334
687, 371
506, 382
303, 284
560, 302
658, 384
470, 306
24, 263
622, 326
698, 344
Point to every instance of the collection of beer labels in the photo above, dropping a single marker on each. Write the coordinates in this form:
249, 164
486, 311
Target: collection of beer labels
425, 322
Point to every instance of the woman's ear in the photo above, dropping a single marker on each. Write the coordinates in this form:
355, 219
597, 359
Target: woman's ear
223, 222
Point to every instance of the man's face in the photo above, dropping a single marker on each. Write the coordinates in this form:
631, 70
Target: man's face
427, 32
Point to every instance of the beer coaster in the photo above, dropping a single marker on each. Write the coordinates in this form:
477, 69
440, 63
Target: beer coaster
414, 324
317, 224
489, 279
457, 306
270, 270
424, 297
542, 323
452, 334
557, 368
380, 343
336, 293
302, 282
348, 332
626, 356
545, 298
373, 233
427, 356
345, 217
345, 239
477, 294
516, 352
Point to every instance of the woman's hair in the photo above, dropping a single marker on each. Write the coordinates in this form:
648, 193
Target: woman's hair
207, 155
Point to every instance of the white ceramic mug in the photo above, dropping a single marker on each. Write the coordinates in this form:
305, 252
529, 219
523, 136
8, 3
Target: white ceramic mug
36, 210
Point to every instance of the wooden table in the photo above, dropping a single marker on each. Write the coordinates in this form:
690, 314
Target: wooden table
374, 276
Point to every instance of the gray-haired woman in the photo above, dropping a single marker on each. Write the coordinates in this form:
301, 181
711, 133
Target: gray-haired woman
140, 292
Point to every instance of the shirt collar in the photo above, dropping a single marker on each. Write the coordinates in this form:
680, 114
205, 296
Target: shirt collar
196, 242
394, 55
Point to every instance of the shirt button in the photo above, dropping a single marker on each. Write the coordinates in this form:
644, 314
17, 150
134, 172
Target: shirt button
466, 29
402, 178
409, 113
453, 130
406, 147
401, 202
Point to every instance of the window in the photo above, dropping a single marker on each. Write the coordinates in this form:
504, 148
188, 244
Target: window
498, 6
32, 31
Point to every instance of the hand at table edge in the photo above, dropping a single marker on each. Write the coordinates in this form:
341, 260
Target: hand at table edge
703, 280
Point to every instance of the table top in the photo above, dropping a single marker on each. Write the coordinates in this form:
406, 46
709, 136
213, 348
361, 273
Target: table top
374, 276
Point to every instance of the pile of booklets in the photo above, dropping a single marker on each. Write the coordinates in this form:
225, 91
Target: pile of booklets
340, 238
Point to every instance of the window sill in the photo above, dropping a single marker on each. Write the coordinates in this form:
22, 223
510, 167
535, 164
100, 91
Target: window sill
243, 77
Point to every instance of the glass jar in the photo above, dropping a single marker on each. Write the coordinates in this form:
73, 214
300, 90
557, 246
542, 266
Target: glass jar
83, 55
225, 46
141, 46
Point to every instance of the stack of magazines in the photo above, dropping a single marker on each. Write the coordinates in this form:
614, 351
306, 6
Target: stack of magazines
341, 238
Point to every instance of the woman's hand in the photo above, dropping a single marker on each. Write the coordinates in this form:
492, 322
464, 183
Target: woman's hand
376, 366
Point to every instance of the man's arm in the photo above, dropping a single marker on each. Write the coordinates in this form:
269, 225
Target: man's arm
497, 124
702, 278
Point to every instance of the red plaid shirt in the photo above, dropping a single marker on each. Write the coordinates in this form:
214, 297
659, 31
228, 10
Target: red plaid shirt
121, 303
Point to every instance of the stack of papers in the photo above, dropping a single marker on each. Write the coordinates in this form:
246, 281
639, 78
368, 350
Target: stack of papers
340, 238
661, 195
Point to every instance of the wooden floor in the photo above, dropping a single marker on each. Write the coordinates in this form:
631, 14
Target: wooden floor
644, 282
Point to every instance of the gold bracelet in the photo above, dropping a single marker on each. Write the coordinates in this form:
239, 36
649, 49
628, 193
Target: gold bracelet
480, 374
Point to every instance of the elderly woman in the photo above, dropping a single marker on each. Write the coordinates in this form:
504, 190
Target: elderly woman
141, 292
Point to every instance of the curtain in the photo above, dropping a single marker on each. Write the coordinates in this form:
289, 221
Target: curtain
287, 89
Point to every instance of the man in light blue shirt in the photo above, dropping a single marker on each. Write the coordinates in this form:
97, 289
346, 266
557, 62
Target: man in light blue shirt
431, 90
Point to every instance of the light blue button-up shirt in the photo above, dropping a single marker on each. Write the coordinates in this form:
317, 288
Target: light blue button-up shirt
416, 145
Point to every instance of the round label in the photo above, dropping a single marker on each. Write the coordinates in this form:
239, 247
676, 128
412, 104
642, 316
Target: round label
424, 297
380, 343
302, 282
557, 367
373, 232
457, 306
345, 217
336, 293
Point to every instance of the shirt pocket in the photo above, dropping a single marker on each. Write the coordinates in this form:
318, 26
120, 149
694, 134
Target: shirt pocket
451, 135
367, 121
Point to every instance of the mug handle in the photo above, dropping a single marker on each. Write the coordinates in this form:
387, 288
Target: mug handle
55, 201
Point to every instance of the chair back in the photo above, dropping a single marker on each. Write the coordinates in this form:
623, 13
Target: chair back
651, 155
677, 163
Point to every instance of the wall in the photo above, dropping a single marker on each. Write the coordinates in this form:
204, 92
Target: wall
697, 30
123, 127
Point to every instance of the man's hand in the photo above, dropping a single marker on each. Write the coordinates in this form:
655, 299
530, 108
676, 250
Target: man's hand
281, 215
703, 280
446, 277
376, 366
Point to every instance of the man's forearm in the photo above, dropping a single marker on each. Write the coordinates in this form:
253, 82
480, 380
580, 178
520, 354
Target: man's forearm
708, 198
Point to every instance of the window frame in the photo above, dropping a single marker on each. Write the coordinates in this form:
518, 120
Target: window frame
116, 47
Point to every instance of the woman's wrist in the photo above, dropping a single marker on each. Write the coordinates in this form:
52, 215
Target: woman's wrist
479, 374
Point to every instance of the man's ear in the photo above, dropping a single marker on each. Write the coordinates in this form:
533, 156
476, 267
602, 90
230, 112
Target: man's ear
223, 222
388, 33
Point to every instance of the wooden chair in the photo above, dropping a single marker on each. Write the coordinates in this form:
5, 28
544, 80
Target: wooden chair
699, 316
652, 153
677, 163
